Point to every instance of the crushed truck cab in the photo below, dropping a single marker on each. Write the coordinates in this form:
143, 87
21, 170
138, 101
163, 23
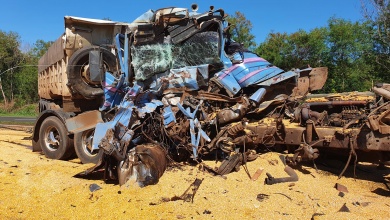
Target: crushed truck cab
172, 85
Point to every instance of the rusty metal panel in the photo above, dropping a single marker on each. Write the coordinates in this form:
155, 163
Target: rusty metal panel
294, 133
78, 104
84, 121
171, 16
303, 86
54, 54
384, 122
374, 141
82, 32
332, 137
318, 77
381, 91
52, 81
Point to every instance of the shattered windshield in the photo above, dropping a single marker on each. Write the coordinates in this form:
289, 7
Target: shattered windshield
202, 48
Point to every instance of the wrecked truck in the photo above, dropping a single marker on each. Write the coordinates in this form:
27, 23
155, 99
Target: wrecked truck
173, 86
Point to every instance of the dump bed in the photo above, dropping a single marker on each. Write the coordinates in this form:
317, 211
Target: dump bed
79, 33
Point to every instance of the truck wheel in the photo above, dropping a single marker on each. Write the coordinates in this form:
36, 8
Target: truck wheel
54, 140
78, 71
83, 147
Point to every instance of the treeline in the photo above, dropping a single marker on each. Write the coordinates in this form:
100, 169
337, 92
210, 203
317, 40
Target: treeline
18, 70
347, 48
356, 53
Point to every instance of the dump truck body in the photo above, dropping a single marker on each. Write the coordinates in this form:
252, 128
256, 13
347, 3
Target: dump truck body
53, 78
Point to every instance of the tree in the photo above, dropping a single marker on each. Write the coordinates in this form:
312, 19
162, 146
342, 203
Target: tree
350, 45
40, 48
27, 77
18, 70
240, 30
377, 14
275, 49
308, 47
10, 57
343, 46
294, 50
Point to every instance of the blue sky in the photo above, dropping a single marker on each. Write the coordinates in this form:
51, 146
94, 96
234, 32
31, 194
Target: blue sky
44, 19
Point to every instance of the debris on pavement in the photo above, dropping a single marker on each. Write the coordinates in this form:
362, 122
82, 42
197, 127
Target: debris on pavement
293, 177
344, 208
187, 196
257, 174
341, 188
94, 187
261, 197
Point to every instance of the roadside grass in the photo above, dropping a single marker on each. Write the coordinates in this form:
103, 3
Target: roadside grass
28, 111
13, 109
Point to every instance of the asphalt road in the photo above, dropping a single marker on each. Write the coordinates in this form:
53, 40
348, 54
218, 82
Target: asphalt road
17, 120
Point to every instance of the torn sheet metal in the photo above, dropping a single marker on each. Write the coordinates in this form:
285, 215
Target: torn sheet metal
169, 116
113, 94
171, 16
252, 70
122, 117
279, 78
195, 126
84, 121
186, 77
148, 107
258, 95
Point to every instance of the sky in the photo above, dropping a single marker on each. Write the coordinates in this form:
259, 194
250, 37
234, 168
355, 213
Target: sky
44, 19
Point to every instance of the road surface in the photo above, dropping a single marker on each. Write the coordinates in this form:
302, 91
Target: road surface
34, 187
17, 120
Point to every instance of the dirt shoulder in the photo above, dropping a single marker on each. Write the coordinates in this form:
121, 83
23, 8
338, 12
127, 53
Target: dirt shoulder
34, 187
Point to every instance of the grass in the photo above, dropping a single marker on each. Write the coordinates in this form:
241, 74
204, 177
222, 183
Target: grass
29, 110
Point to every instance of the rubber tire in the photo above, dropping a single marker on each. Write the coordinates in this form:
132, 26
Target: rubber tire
229, 164
84, 156
75, 80
65, 148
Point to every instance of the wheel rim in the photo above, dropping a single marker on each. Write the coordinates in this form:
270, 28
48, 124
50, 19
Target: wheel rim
52, 138
86, 140
86, 75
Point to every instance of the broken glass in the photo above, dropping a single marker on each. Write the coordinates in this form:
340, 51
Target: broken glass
148, 60
202, 48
